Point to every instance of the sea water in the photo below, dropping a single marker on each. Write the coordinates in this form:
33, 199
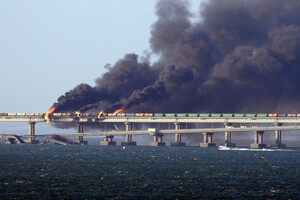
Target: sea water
97, 172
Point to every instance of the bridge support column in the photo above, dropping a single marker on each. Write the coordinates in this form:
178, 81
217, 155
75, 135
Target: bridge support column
80, 138
177, 142
207, 140
31, 139
108, 141
278, 143
157, 140
228, 142
258, 140
128, 138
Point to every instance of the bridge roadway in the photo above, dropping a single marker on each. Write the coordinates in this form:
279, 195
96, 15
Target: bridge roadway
282, 120
279, 124
169, 131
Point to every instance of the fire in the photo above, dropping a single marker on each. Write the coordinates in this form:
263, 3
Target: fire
78, 113
100, 113
51, 110
118, 111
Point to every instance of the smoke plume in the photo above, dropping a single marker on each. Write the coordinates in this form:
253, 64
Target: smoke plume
240, 56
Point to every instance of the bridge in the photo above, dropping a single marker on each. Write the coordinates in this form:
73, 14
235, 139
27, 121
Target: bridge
278, 124
115, 119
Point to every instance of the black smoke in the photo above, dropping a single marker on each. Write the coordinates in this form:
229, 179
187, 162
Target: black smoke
240, 56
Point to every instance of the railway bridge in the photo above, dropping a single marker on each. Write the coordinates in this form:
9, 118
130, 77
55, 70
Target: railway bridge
219, 124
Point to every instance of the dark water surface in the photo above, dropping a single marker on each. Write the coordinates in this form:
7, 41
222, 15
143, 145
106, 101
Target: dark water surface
95, 172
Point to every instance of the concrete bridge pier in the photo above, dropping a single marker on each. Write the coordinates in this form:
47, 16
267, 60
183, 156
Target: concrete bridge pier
157, 140
31, 139
207, 140
128, 138
258, 140
228, 142
108, 141
80, 138
177, 142
278, 143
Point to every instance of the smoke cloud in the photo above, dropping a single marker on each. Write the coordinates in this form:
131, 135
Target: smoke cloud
241, 56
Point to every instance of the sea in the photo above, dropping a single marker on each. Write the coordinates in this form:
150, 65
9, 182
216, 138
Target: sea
96, 172
142, 172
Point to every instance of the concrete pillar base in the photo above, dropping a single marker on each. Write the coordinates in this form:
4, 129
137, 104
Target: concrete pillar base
229, 144
83, 142
157, 144
258, 146
107, 143
178, 144
31, 141
128, 143
206, 145
278, 146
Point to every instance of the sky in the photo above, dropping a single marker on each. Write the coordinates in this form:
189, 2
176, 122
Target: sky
49, 47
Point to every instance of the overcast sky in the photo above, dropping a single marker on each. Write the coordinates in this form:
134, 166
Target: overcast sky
49, 47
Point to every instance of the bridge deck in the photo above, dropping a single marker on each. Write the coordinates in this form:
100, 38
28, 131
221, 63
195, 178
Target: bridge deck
170, 131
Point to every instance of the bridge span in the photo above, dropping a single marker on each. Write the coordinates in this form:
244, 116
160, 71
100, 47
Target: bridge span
115, 119
280, 124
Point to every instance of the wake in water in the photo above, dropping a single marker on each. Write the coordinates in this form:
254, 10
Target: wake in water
223, 148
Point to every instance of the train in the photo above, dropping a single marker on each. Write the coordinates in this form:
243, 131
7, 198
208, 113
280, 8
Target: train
94, 115
23, 114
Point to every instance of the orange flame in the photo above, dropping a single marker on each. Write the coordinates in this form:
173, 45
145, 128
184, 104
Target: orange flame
78, 113
118, 111
100, 113
51, 110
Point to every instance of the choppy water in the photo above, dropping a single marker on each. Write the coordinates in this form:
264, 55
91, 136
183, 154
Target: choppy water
95, 172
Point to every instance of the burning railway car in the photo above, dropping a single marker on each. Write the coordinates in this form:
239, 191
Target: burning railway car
202, 115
